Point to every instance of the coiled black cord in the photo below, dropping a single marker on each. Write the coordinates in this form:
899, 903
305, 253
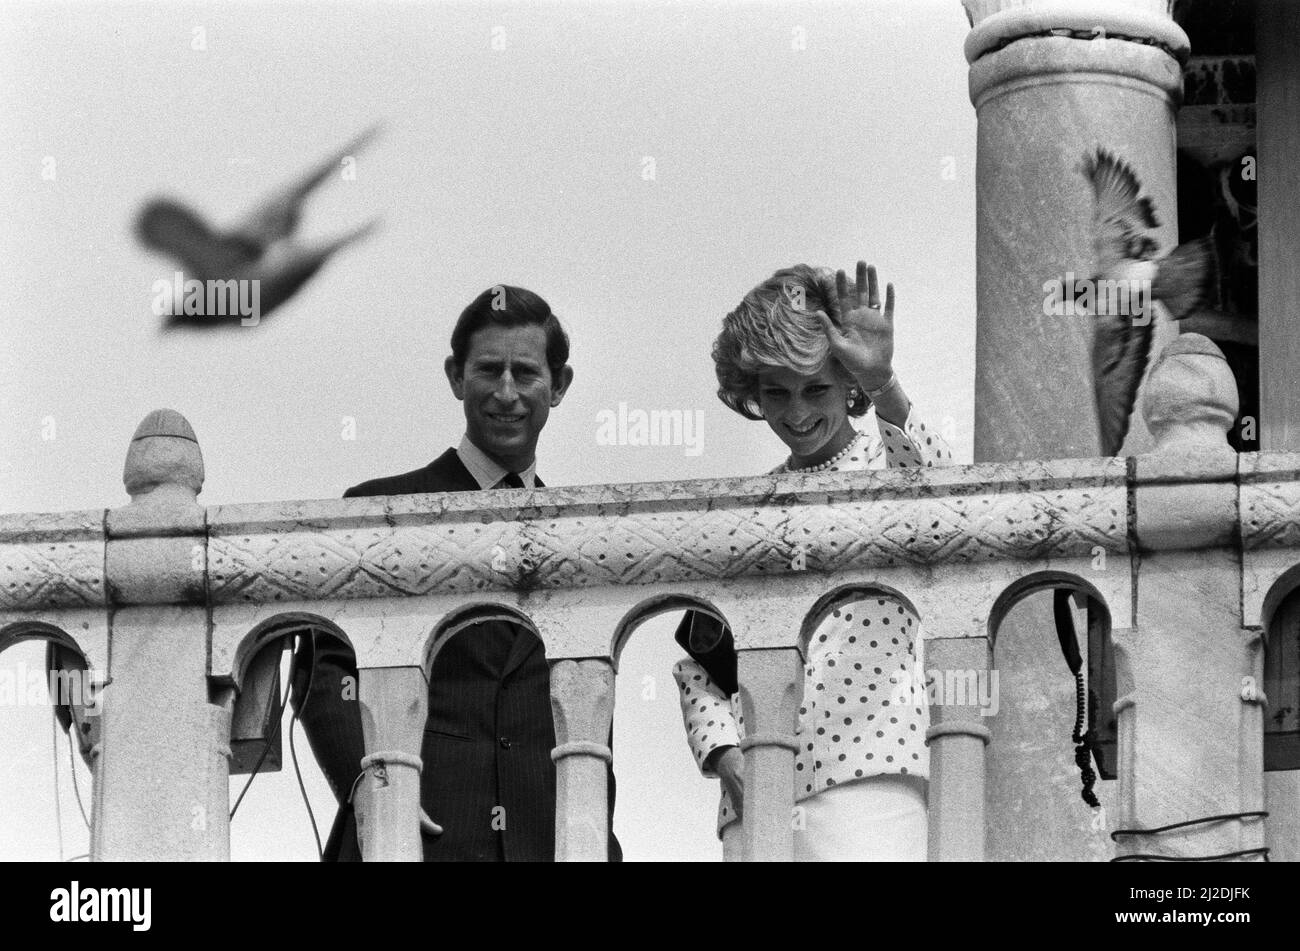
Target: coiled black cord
1086, 739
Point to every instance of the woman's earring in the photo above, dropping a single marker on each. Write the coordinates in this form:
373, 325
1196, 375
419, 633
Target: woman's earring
853, 397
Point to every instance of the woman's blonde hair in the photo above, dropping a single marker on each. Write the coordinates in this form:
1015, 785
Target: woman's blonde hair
776, 326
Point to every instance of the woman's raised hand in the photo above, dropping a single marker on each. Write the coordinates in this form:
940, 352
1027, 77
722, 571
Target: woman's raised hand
861, 333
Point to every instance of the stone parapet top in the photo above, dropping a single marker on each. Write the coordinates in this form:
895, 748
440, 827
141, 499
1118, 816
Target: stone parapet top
826, 488
653, 533
650, 533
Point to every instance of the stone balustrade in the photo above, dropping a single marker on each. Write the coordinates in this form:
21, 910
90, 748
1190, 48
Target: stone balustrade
1188, 549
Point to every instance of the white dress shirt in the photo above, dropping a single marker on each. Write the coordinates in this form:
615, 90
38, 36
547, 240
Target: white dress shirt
487, 472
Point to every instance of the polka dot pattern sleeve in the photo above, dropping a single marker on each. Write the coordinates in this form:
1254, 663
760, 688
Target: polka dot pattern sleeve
915, 445
706, 713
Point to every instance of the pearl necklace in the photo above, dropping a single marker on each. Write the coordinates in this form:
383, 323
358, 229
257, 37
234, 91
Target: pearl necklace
857, 437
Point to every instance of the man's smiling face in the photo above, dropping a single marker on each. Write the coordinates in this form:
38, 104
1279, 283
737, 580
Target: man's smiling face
507, 390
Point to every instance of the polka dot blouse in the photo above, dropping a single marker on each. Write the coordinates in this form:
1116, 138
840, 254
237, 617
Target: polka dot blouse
864, 711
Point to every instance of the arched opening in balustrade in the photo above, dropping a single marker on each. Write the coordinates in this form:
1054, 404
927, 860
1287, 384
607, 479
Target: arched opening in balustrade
862, 727
654, 607
1036, 771
1280, 620
667, 810
841, 598
283, 671
49, 717
457, 621
488, 774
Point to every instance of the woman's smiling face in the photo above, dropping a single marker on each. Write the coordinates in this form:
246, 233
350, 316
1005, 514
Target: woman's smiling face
808, 411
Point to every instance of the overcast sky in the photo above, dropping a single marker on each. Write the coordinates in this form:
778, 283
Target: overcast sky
641, 166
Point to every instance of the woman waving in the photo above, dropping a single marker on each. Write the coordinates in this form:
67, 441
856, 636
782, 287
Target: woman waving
808, 352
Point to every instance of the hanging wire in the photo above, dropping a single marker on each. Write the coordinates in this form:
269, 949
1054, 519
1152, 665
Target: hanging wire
294, 638
293, 753
1158, 830
58, 811
76, 787
266, 746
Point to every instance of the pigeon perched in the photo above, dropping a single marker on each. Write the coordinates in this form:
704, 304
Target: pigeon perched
260, 249
1129, 269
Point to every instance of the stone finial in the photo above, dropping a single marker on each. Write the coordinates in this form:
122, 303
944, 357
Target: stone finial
164, 461
1191, 396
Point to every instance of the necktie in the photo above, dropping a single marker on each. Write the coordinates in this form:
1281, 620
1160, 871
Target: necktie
511, 481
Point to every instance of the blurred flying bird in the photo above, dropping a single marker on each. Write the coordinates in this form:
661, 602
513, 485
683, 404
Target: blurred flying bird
260, 248
1130, 269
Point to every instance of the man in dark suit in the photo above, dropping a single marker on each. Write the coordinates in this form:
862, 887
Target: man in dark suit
488, 778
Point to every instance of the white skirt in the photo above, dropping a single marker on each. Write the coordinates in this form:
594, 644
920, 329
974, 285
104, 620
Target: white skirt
876, 819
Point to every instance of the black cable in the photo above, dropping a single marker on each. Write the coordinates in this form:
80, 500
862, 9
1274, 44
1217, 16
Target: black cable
76, 788
1142, 856
266, 747
1257, 814
58, 808
1084, 739
293, 753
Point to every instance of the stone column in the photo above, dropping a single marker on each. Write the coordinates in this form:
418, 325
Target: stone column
1049, 82
958, 736
1277, 100
394, 706
162, 767
582, 702
771, 688
1190, 733
1277, 78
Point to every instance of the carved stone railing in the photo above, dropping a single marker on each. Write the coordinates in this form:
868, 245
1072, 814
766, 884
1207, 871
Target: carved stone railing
1187, 548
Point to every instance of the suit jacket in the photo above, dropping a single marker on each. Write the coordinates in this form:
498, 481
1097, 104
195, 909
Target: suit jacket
488, 777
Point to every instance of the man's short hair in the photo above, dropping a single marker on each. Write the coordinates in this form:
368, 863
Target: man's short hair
508, 306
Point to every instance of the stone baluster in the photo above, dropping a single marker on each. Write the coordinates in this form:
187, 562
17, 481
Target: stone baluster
1189, 724
771, 688
958, 736
162, 763
394, 705
582, 702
